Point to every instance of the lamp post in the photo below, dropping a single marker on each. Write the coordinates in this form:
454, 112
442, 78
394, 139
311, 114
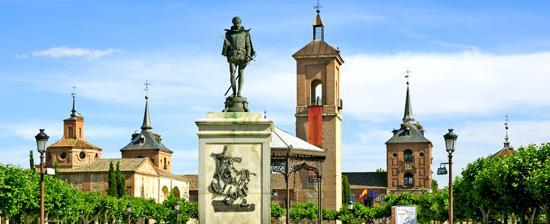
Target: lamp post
177, 208
450, 140
129, 210
41, 141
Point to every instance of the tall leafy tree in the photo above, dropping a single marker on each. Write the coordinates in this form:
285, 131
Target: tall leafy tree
539, 181
112, 190
516, 176
345, 190
121, 182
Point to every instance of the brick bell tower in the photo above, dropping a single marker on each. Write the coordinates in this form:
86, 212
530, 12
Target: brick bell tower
409, 155
319, 107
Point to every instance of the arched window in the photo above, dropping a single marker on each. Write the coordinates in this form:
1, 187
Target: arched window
316, 92
165, 165
408, 180
408, 155
176, 192
164, 193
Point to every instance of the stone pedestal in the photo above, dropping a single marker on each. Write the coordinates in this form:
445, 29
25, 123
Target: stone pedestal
234, 168
236, 104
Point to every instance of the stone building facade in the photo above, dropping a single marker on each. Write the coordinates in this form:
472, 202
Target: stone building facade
145, 162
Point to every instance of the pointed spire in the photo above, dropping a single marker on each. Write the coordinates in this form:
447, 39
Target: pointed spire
73, 94
506, 142
408, 115
146, 119
318, 28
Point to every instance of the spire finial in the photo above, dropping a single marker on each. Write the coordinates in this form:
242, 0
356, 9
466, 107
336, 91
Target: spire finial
506, 138
73, 94
265, 112
146, 118
318, 7
407, 75
408, 115
146, 89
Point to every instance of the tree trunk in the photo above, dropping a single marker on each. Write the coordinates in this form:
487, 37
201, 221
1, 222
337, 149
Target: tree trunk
485, 215
521, 217
531, 215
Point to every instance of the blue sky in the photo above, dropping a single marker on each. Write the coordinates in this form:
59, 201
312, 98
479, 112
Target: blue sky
472, 63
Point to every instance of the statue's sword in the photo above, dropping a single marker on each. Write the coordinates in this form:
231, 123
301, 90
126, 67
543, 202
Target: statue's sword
236, 80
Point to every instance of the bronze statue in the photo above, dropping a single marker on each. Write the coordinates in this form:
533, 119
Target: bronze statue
237, 47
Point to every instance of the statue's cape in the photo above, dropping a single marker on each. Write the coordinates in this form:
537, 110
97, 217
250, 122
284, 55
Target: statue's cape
231, 31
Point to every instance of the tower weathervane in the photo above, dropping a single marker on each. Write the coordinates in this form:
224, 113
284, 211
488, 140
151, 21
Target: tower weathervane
146, 89
506, 138
407, 75
73, 94
317, 7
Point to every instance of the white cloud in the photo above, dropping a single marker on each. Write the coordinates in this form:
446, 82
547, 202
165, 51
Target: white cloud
444, 87
27, 130
59, 52
20, 56
457, 83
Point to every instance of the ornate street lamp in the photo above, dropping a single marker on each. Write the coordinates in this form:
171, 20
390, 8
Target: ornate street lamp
450, 141
442, 170
177, 208
41, 141
129, 211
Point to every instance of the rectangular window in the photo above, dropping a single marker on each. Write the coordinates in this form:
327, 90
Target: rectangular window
70, 132
318, 33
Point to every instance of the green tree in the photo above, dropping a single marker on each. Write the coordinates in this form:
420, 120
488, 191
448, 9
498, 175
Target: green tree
276, 210
380, 170
121, 181
515, 180
345, 190
56, 169
112, 190
303, 211
31, 160
435, 186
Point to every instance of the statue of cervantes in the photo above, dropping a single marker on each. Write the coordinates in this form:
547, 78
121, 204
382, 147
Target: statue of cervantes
237, 47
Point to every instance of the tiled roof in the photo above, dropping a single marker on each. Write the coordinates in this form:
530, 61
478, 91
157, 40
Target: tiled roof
318, 21
318, 48
283, 140
367, 179
102, 165
74, 143
166, 173
150, 140
504, 152
408, 133
192, 179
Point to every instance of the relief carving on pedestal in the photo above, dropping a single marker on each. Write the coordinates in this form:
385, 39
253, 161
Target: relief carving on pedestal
230, 184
